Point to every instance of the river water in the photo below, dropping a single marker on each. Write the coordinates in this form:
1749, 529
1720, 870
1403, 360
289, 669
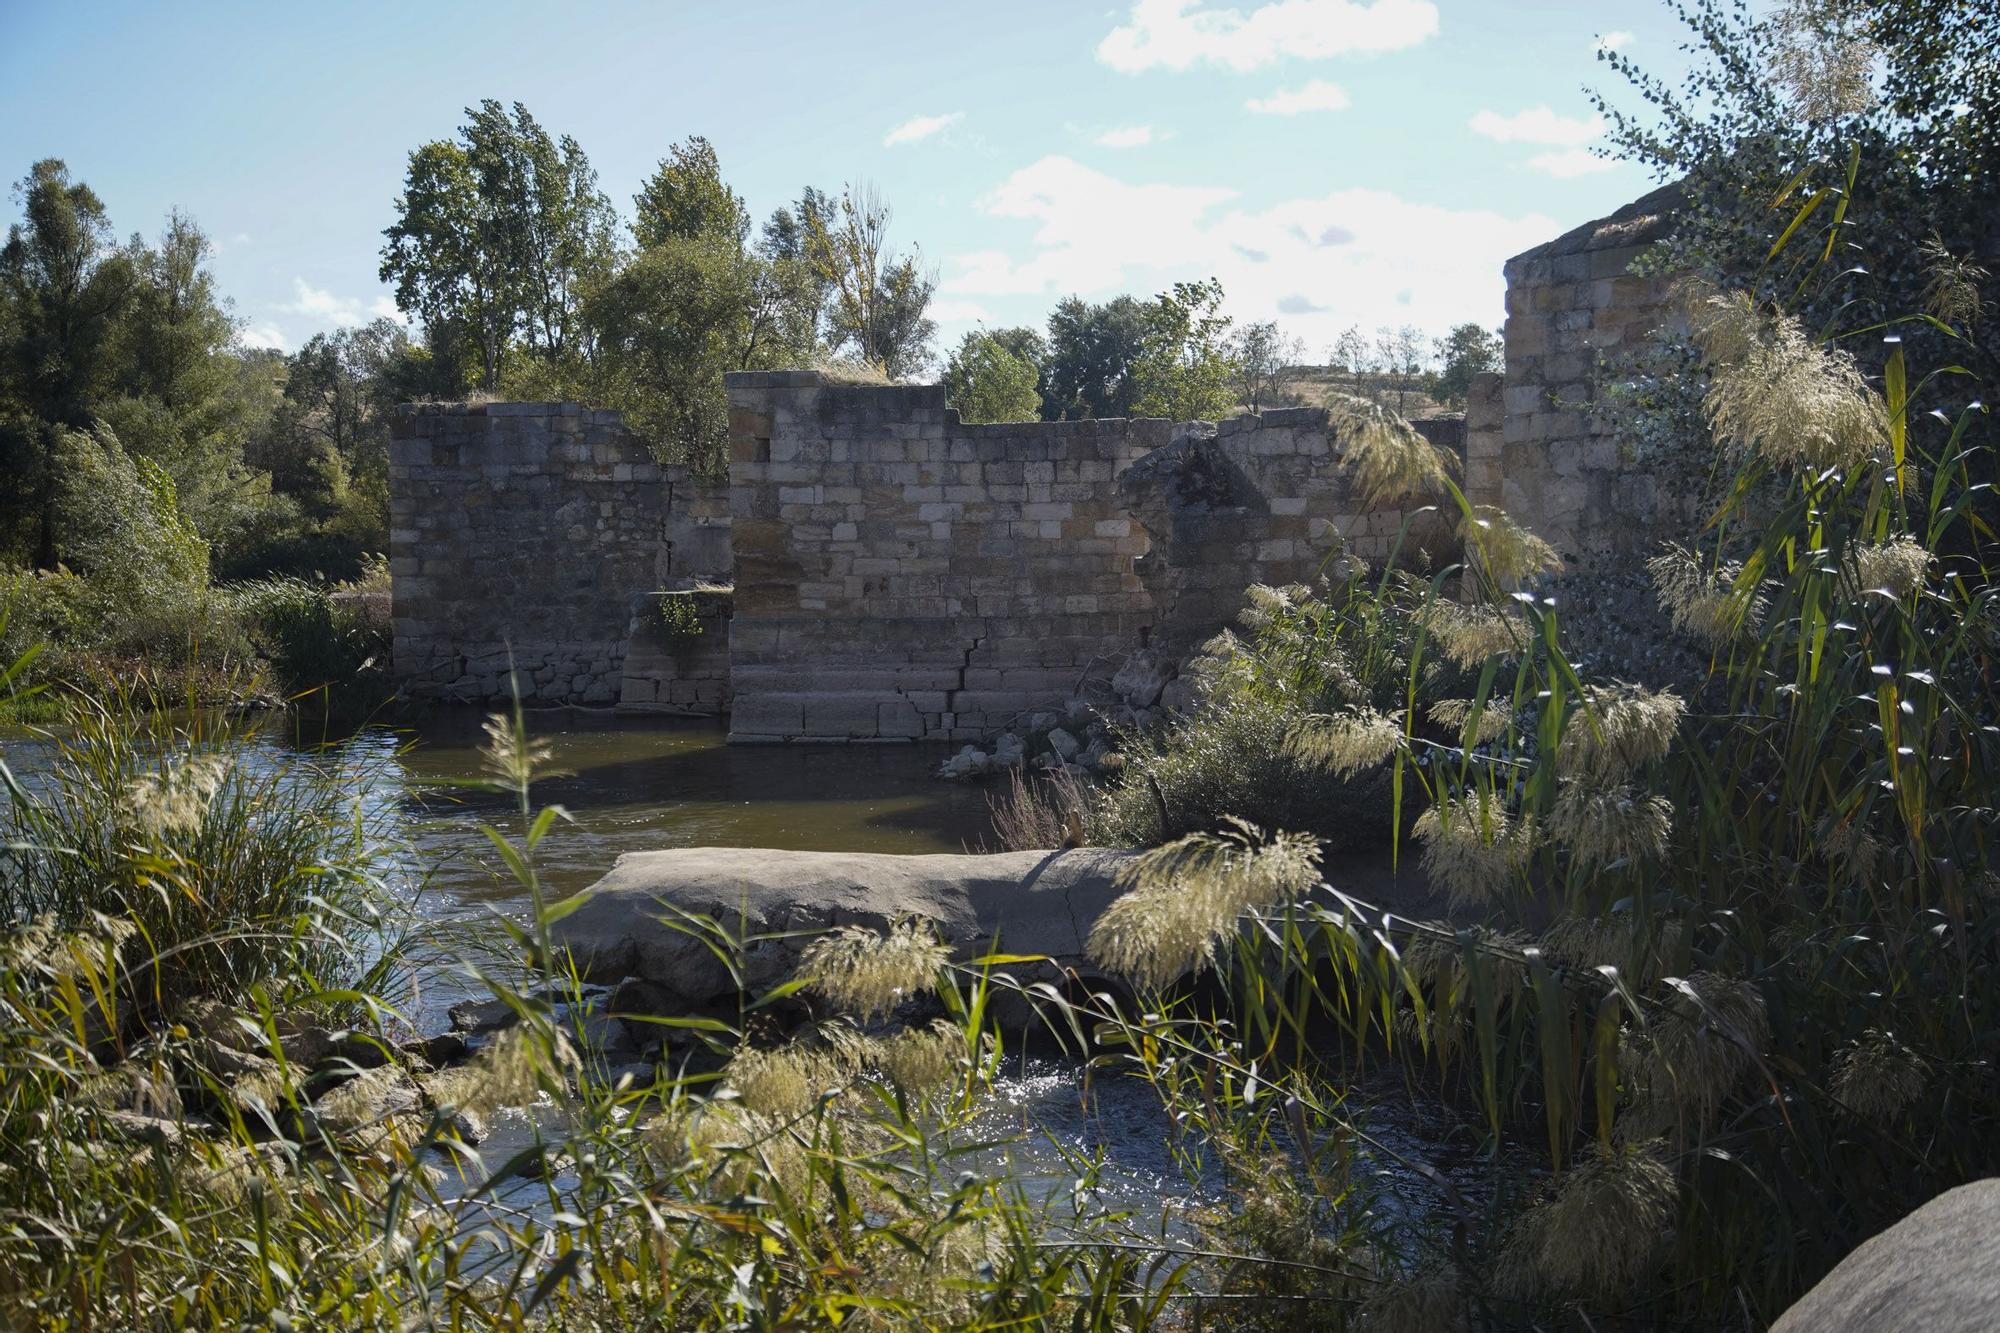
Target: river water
644, 784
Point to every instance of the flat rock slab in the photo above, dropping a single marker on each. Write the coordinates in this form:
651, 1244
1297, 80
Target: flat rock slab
1025, 902
1937, 1270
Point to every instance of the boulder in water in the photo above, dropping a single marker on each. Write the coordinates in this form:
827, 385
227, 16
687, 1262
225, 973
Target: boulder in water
637, 921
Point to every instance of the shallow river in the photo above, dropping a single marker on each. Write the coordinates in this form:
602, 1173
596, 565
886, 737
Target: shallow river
643, 784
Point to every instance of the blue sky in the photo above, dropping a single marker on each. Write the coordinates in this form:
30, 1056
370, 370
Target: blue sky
1334, 162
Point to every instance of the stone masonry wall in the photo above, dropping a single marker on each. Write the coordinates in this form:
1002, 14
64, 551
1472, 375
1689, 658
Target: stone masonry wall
524, 532
1576, 316
1258, 499
677, 654
901, 575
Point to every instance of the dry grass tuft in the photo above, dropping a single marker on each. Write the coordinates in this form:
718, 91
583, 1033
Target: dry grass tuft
1951, 289
1264, 604
513, 757
1704, 603
1617, 730
852, 372
1468, 635
869, 973
1345, 743
175, 797
1777, 393
1385, 454
1878, 1078
1896, 566
1183, 897
1601, 824
1699, 1051
1614, 940
1472, 847
1036, 814
1508, 553
513, 1069
1599, 1235
1456, 715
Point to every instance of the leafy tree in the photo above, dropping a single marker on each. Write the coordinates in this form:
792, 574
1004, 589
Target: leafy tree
176, 331
686, 198
1466, 351
1351, 352
496, 234
562, 225
328, 445
65, 286
878, 298
987, 381
1266, 362
124, 522
1091, 352
797, 292
1404, 355
1032, 348
670, 323
178, 392
447, 255
1185, 367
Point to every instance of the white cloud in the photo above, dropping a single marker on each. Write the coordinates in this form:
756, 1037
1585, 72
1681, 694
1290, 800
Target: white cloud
1086, 223
918, 128
1129, 136
343, 312
1612, 41
314, 303
1178, 34
1572, 162
262, 336
959, 312
1319, 95
1538, 125
1357, 256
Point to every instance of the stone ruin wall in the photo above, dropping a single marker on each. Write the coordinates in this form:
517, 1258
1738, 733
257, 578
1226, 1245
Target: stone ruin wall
900, 575
1539, 443
897, 575
534, 534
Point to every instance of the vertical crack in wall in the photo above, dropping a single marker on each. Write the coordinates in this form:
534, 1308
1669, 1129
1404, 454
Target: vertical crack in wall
964, 665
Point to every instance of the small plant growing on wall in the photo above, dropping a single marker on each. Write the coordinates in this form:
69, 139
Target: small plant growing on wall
679, 620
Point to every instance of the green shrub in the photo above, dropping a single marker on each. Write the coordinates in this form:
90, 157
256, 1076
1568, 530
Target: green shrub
680, 620
317, 634
135, 579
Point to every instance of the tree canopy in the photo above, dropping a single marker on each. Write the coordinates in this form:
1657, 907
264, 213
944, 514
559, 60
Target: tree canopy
986, 380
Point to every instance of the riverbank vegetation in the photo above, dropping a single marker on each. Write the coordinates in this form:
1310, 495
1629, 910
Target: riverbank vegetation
1713, 984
